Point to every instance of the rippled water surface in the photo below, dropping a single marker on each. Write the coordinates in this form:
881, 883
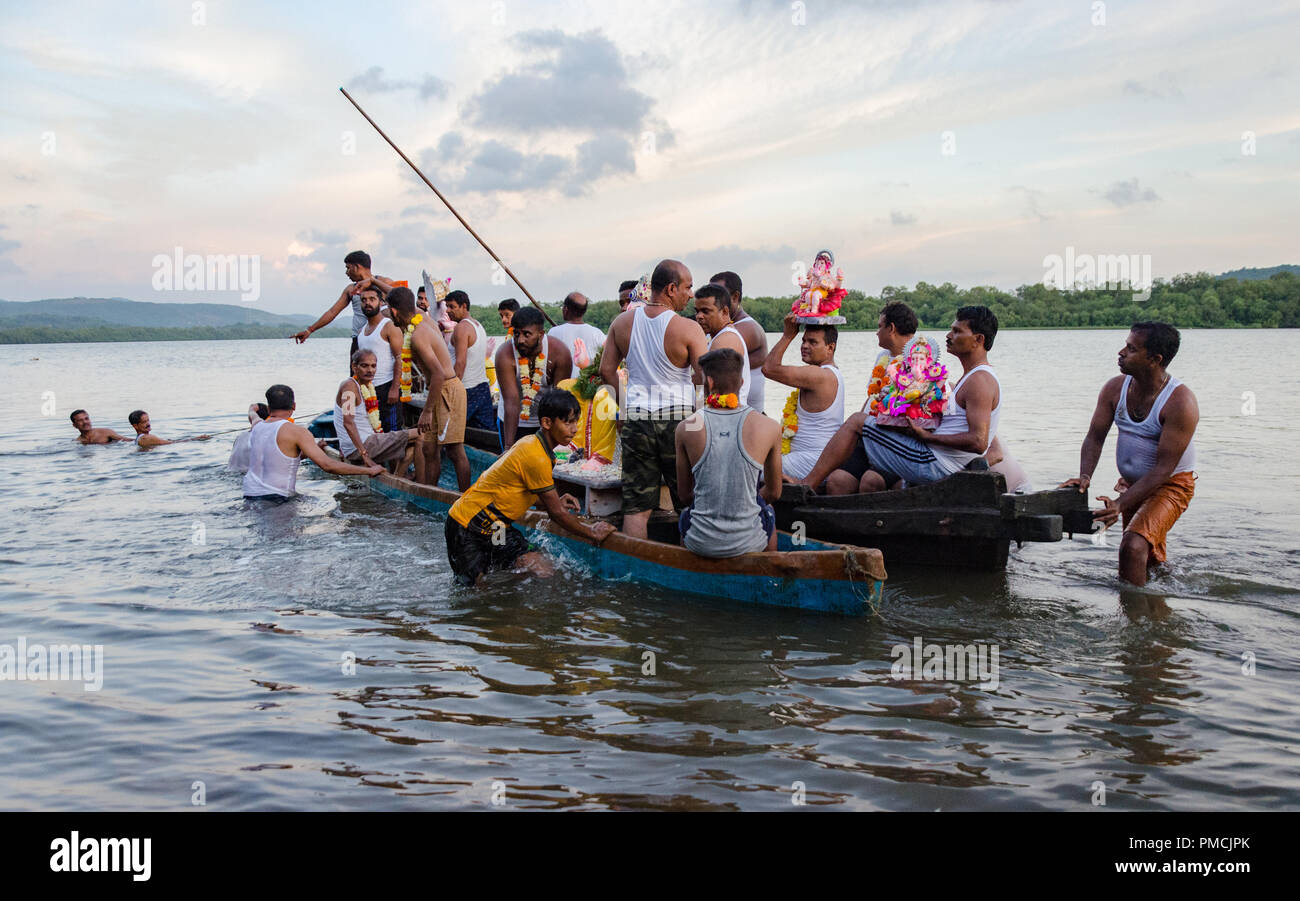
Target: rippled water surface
226, 629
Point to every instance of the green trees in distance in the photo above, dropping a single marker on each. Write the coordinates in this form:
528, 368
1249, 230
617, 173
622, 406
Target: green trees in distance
1186, 301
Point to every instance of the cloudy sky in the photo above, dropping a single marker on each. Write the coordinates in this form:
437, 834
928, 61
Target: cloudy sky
959, 141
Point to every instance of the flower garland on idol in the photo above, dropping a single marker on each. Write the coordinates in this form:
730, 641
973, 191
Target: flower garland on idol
531, 373
406, 356
372, 406
789, 420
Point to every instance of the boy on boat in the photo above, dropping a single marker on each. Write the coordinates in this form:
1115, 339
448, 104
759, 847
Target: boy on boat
362, 439
479, 531
530, 361
442, 421
468, 346
919, 456
662, 350
276, 446
1157, 417
752, 332
357, 266
721, 451
820, 405
87, 434
144, 437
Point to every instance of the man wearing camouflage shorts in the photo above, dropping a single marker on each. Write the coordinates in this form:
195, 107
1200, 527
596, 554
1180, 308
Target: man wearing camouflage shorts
662, 350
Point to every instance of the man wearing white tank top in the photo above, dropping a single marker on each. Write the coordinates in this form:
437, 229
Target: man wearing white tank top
1157, 416
663, 351
918, 456
382, 338
821, 391
752, 332
276, 446
468, 348
713, 313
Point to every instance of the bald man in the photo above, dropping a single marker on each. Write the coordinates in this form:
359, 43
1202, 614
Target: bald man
582, 340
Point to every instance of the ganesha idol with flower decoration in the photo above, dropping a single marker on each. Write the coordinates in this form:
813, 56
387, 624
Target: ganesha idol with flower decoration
821, 292
914, 387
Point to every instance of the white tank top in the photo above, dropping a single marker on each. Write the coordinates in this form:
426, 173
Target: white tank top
954, 423
1135, 452
269, 470
359, 419
653, 382
532, 422
816, 429
383, 351
475, 357
745, 383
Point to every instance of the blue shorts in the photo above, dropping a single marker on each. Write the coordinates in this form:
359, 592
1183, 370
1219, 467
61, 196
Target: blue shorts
898, 454
766, 516
480, 412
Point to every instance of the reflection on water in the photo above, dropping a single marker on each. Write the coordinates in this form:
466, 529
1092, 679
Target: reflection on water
316, 655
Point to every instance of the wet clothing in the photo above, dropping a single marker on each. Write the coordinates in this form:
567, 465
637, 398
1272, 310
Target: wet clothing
505, 491
1161, 510
1135, 451
472, 554
270, 472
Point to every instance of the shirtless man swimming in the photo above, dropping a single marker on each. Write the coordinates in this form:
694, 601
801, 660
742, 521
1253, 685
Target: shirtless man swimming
144, 437
89, 435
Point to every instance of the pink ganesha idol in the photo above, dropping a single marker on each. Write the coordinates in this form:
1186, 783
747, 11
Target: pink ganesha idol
914, 386
436, 292
821, 292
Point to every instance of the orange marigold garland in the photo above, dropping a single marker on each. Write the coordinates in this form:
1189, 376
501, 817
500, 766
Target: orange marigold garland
723, 401
406, 355
531, 373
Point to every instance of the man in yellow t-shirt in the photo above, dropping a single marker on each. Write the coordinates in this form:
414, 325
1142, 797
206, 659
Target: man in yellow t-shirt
480, 535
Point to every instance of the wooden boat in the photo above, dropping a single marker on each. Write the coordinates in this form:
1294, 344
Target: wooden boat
966, 520
804, 574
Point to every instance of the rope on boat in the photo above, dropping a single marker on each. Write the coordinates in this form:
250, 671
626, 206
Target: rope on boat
853, 568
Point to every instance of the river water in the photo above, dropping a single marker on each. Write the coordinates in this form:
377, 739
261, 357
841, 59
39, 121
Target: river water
227, 631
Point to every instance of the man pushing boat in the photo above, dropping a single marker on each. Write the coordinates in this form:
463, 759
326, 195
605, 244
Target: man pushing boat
480, 533
1157, 416
276, 445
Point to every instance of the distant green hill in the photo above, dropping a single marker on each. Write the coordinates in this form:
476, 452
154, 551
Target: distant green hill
65, 312
91, 331
1247, 275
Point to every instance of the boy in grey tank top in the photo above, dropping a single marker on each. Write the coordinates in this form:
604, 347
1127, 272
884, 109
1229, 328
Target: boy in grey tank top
721, 451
